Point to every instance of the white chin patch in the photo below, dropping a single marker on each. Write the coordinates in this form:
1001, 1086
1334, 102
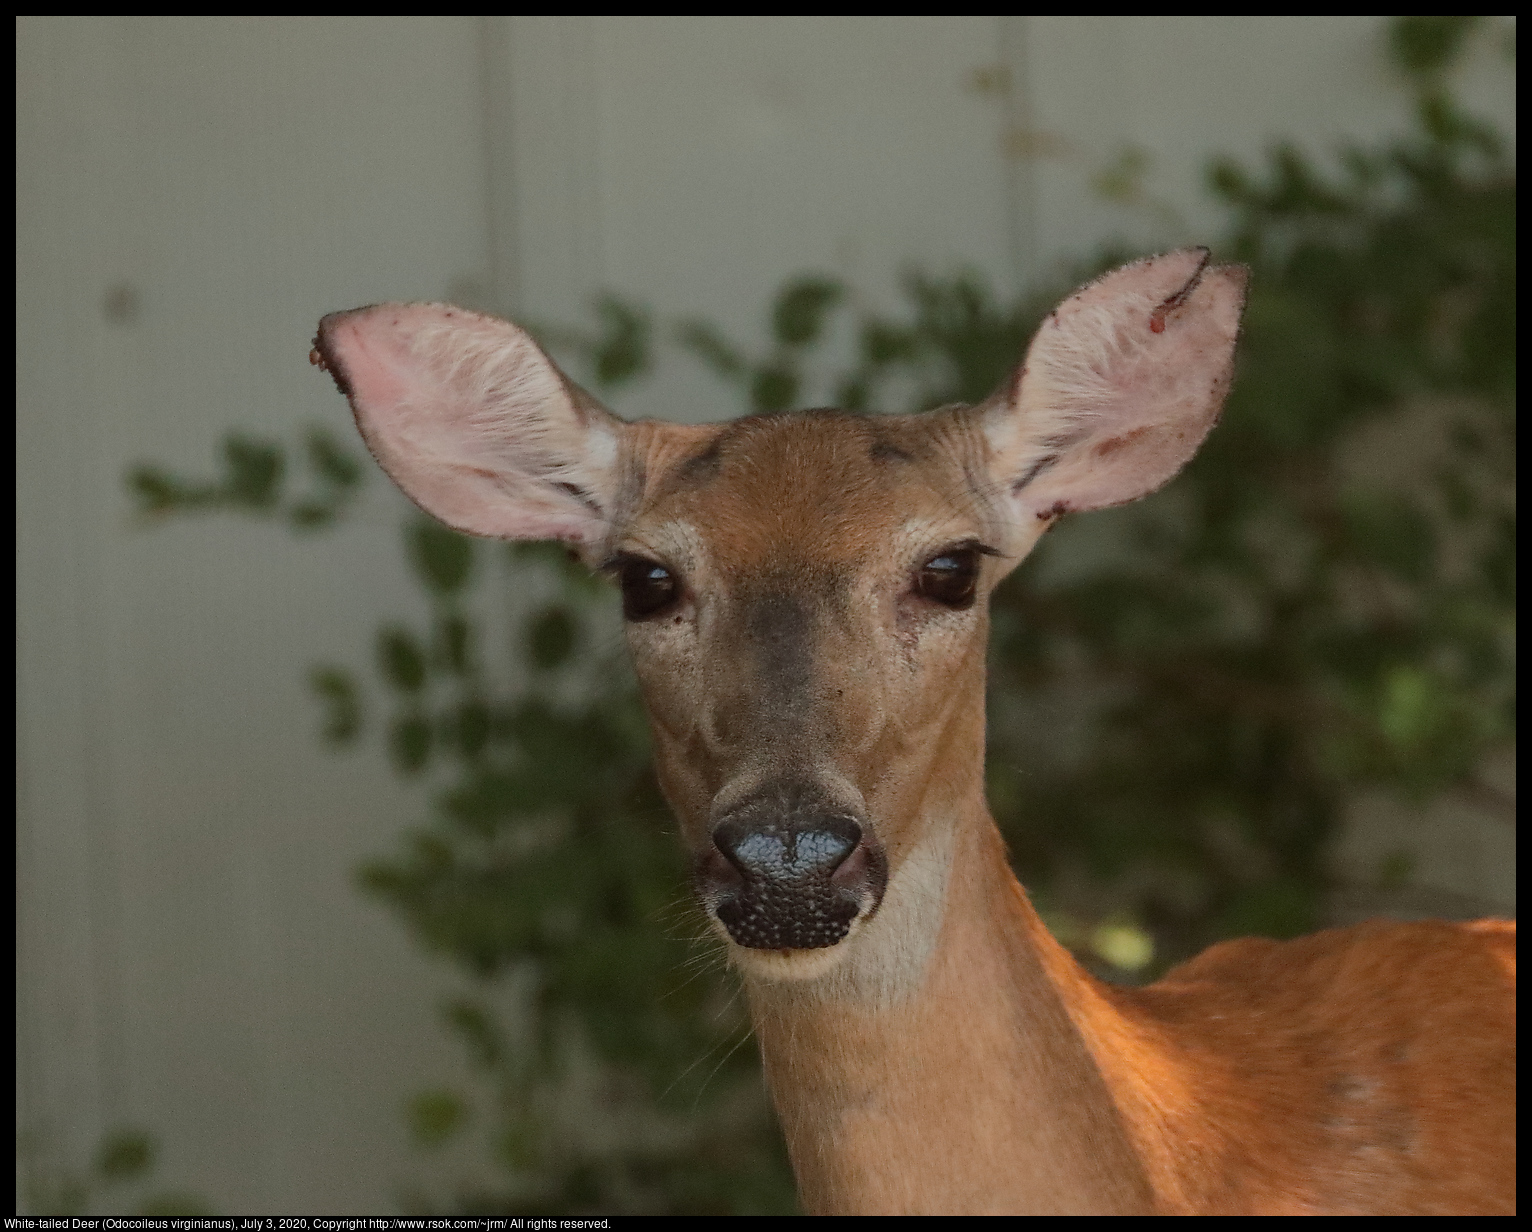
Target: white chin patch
790, 966
883, 959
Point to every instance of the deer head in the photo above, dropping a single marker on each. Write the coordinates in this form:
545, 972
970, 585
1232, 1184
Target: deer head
805, 594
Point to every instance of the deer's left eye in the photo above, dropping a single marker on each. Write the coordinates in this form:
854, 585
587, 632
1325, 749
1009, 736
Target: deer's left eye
647, 588
951, 579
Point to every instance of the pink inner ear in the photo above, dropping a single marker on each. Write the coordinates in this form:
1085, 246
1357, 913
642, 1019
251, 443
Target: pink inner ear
1120, 386
370, 361
472, 420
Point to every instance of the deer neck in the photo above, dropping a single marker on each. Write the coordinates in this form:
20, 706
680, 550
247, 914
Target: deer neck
938, 1068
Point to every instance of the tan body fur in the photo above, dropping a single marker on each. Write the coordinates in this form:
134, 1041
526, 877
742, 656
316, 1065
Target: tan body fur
947, 1055
1363, 1070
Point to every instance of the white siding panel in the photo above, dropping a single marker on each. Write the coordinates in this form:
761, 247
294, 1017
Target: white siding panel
694, 163
196, 960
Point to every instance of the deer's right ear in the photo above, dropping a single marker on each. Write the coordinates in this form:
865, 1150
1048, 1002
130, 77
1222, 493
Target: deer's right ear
1120, 385
469, 416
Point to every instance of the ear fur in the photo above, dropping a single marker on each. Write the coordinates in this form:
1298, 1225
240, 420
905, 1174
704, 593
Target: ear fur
1120, 385
474, 422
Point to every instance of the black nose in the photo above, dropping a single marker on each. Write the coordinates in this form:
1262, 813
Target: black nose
808, 851
790, 872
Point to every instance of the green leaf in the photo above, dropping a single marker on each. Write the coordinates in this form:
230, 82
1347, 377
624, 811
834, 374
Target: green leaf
483, 803
884, 344
311, 515
1391, 532
454, 637
470, 728
518, 1146
1283, 907
1122, 180
337, 467
1497, 563
410, 743
443, 559
1413, 708
551, 637
710, 346
1426, 46
622, 349
338, 689
772, 389
1229, 181
798, 316
254, 471
125, 1155
854, 395
155, 490
435, 1116
477, 1030
159, 492
1125, 945
401, 660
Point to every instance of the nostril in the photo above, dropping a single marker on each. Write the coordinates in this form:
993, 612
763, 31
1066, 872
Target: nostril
823, 851
805, 851
753, 852
718, 873
854, 867
785, 874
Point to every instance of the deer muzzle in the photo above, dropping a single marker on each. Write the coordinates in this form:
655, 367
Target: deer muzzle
789, 870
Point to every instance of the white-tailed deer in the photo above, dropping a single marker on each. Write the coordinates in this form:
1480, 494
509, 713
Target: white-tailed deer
806, 601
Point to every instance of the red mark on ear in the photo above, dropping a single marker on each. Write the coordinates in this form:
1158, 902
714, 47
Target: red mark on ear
1113, 444
1157, 321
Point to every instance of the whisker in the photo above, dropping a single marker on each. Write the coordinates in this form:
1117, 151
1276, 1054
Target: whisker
686, 983
730, 1003
748, 1032
712, 1048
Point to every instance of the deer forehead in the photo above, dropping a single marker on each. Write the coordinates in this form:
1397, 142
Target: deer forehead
815, 494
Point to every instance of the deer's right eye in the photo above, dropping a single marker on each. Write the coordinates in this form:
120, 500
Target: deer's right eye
950, 578
647, 588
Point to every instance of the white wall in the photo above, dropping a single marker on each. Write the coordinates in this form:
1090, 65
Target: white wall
192, 957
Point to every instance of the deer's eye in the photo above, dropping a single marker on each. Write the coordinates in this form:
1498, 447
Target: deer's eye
647, 588
950, 578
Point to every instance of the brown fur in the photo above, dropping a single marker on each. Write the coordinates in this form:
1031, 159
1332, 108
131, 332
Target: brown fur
1369, 1069
948, 1055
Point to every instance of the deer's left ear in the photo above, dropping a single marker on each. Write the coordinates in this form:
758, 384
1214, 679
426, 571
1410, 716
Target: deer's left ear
1119, 387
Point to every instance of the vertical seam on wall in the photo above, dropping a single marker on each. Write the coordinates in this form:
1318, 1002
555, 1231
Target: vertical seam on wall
1020, 171
26, 1000
582, 98
500, 197
103, 865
